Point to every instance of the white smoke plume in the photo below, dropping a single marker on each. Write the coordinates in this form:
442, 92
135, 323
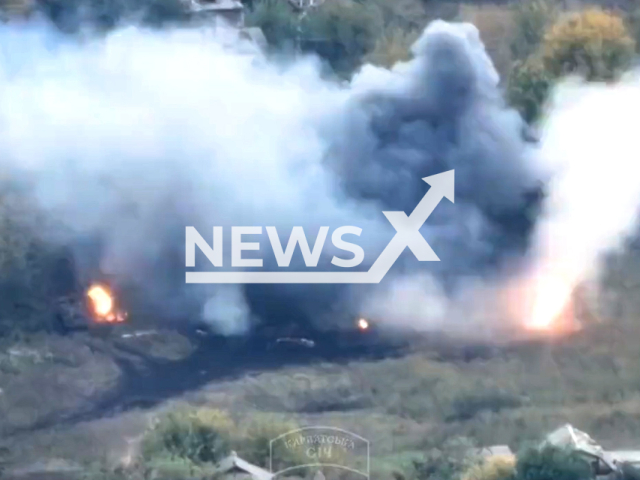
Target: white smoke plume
589, 150
132, 137
589, 154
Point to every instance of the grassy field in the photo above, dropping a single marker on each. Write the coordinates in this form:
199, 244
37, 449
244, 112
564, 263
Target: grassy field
406, 407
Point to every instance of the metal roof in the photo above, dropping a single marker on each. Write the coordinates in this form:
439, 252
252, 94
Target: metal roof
233, 461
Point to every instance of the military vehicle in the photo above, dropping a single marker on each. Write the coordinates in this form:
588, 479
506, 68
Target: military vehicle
94, 309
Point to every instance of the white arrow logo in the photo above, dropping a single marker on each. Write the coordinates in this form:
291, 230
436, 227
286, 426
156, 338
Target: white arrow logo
407, 235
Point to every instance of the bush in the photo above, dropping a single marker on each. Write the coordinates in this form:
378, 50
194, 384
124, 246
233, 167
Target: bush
592, 43
528, 87
551, 463
202, 435
499, 467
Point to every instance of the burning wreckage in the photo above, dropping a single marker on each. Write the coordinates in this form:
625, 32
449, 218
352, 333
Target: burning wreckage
96, 307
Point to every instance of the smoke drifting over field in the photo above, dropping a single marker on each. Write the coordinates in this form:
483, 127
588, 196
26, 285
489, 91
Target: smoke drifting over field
130, 138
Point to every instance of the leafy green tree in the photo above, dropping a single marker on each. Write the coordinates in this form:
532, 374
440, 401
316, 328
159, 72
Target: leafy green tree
528, 87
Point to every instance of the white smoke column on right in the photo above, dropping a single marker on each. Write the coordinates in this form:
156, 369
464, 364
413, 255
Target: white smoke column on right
590, 147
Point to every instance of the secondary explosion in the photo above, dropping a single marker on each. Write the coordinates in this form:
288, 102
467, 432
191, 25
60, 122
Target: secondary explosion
363, 324
588, 145
102, 305
127, 139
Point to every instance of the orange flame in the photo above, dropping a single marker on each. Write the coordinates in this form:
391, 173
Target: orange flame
103, 305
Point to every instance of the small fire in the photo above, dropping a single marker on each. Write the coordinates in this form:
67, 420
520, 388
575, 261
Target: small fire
363, 324
103, 305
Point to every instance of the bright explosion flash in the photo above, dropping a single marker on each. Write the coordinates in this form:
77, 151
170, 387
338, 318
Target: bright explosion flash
363, 324
550, 301
103, 305
552, 307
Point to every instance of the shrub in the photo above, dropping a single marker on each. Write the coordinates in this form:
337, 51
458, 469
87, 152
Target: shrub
201, 435
551, 463
592, 43
528, 87
499, 467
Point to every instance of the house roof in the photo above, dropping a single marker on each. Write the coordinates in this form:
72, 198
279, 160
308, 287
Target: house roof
568, 436
233, 462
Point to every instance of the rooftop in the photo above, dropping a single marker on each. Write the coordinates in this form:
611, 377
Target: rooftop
233, 462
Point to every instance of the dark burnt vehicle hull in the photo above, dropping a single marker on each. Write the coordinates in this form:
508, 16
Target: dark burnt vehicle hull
297, 342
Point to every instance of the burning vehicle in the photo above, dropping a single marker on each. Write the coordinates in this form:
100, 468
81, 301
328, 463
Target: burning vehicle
295, 336
96, 307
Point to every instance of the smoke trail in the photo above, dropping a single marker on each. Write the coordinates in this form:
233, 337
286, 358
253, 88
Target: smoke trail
130, 138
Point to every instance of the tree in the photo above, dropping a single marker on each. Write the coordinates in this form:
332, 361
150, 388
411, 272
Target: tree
528, 88
592, 43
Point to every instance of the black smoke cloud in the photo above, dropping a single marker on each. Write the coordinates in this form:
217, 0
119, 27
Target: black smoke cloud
130, 138
447, 112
